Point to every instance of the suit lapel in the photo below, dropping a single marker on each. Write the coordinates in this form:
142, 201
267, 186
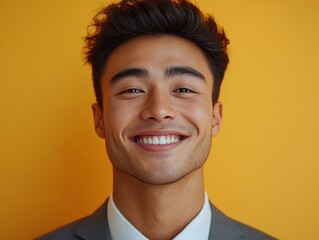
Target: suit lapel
222, 227
96, 226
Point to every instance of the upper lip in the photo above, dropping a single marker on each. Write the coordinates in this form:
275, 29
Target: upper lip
160, 132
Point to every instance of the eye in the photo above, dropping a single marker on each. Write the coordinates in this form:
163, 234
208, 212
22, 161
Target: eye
132, 90
183, 90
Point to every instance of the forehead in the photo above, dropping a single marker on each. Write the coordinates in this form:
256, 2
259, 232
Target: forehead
156, 53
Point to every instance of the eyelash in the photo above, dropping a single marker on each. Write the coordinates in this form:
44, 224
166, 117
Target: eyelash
183, 90
136, 91
132, 90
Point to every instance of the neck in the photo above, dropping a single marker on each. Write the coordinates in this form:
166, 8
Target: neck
159, 212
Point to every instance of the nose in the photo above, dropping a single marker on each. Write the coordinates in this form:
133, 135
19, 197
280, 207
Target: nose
158, 107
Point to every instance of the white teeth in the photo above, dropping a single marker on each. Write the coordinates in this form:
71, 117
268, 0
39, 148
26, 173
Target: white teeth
162, 140
156, 140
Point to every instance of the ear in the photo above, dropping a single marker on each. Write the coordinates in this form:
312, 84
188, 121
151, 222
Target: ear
98, 120
217, 118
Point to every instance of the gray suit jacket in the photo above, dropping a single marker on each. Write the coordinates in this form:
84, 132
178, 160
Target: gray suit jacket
95, 227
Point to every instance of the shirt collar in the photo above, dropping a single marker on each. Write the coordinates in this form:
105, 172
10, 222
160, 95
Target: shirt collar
120, 228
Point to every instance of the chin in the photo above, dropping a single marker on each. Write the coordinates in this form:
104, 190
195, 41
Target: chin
161, 177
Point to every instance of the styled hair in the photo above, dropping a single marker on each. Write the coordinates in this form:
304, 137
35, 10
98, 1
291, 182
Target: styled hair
127, 19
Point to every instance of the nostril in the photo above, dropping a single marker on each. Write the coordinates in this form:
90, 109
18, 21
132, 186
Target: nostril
158, 113
159, 118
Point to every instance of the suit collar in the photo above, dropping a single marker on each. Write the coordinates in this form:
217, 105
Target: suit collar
95, 227
222, 227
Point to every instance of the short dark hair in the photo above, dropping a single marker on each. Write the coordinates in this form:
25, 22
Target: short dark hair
119, 22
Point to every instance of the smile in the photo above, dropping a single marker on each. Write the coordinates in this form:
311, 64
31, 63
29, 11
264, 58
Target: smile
157, 140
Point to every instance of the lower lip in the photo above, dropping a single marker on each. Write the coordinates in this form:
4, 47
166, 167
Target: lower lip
158, 147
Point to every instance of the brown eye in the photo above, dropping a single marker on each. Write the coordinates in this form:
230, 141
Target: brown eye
183, 90
132, 90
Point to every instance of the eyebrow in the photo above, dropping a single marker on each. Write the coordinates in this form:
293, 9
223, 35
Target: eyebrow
130, 72
183, 70
169, 72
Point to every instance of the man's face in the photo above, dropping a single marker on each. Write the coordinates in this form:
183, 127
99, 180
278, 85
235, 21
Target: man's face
157, 117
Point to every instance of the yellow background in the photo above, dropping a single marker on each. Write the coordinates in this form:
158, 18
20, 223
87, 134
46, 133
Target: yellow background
263, 169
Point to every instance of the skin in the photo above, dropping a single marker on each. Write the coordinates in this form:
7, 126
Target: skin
158, 86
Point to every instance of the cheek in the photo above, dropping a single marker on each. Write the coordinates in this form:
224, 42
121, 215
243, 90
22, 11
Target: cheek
118, 116
199, 114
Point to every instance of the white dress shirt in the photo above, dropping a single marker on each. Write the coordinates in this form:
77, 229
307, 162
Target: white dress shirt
121, 229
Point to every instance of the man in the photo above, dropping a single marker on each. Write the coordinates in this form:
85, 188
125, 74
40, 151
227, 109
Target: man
157, 69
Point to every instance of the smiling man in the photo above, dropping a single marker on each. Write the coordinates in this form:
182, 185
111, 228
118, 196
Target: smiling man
157, 69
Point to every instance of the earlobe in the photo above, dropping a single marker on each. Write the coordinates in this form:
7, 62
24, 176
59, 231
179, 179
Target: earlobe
98, 120
217, 118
